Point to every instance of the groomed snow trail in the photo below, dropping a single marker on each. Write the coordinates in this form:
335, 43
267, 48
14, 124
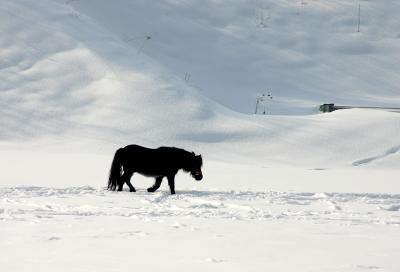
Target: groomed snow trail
42, 203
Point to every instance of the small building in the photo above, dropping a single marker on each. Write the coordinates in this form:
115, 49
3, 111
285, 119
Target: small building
327, 107
332, 107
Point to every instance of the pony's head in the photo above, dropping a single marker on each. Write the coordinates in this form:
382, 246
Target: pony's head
194, 165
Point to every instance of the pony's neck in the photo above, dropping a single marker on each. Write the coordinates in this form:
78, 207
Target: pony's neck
186, 161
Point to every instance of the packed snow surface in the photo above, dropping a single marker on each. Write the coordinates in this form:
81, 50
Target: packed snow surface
292, 190
93, 229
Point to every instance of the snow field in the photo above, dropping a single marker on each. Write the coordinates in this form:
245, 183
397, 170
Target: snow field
89, 228
25, 203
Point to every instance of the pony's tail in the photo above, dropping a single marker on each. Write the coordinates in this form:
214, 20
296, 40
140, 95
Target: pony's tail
115, 171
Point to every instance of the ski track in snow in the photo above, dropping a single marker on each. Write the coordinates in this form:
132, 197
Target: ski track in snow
389, 152
37, 204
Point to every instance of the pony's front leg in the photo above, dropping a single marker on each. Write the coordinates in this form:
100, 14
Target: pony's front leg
156, 185
171, 183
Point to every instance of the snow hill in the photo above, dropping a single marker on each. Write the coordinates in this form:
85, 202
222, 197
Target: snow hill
305, 52
97, 75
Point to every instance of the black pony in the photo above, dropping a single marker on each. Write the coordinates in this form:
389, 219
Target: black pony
158, 163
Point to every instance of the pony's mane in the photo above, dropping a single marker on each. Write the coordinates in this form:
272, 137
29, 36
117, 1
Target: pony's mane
181, 150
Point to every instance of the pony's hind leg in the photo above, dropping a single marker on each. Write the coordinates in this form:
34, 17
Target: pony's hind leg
126, 177
131, 188
128, 181
120, 183
156, 185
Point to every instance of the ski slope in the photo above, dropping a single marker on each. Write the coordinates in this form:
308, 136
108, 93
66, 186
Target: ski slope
293, 190
305, 52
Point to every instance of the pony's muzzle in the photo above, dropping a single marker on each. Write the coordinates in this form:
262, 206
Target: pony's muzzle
198, 175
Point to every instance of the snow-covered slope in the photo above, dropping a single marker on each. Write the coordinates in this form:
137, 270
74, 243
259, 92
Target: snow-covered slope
305, 52
84, 74
61, 73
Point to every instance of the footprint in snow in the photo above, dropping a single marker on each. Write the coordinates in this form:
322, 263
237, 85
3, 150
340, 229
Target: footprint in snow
135, 233
214, 260
333, 205
178, 225
391, 208
368, 267
54, 238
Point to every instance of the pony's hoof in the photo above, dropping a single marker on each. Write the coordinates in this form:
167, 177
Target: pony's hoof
132, 190
151, 190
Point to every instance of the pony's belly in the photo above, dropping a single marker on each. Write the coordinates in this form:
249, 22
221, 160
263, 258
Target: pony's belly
152, 175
